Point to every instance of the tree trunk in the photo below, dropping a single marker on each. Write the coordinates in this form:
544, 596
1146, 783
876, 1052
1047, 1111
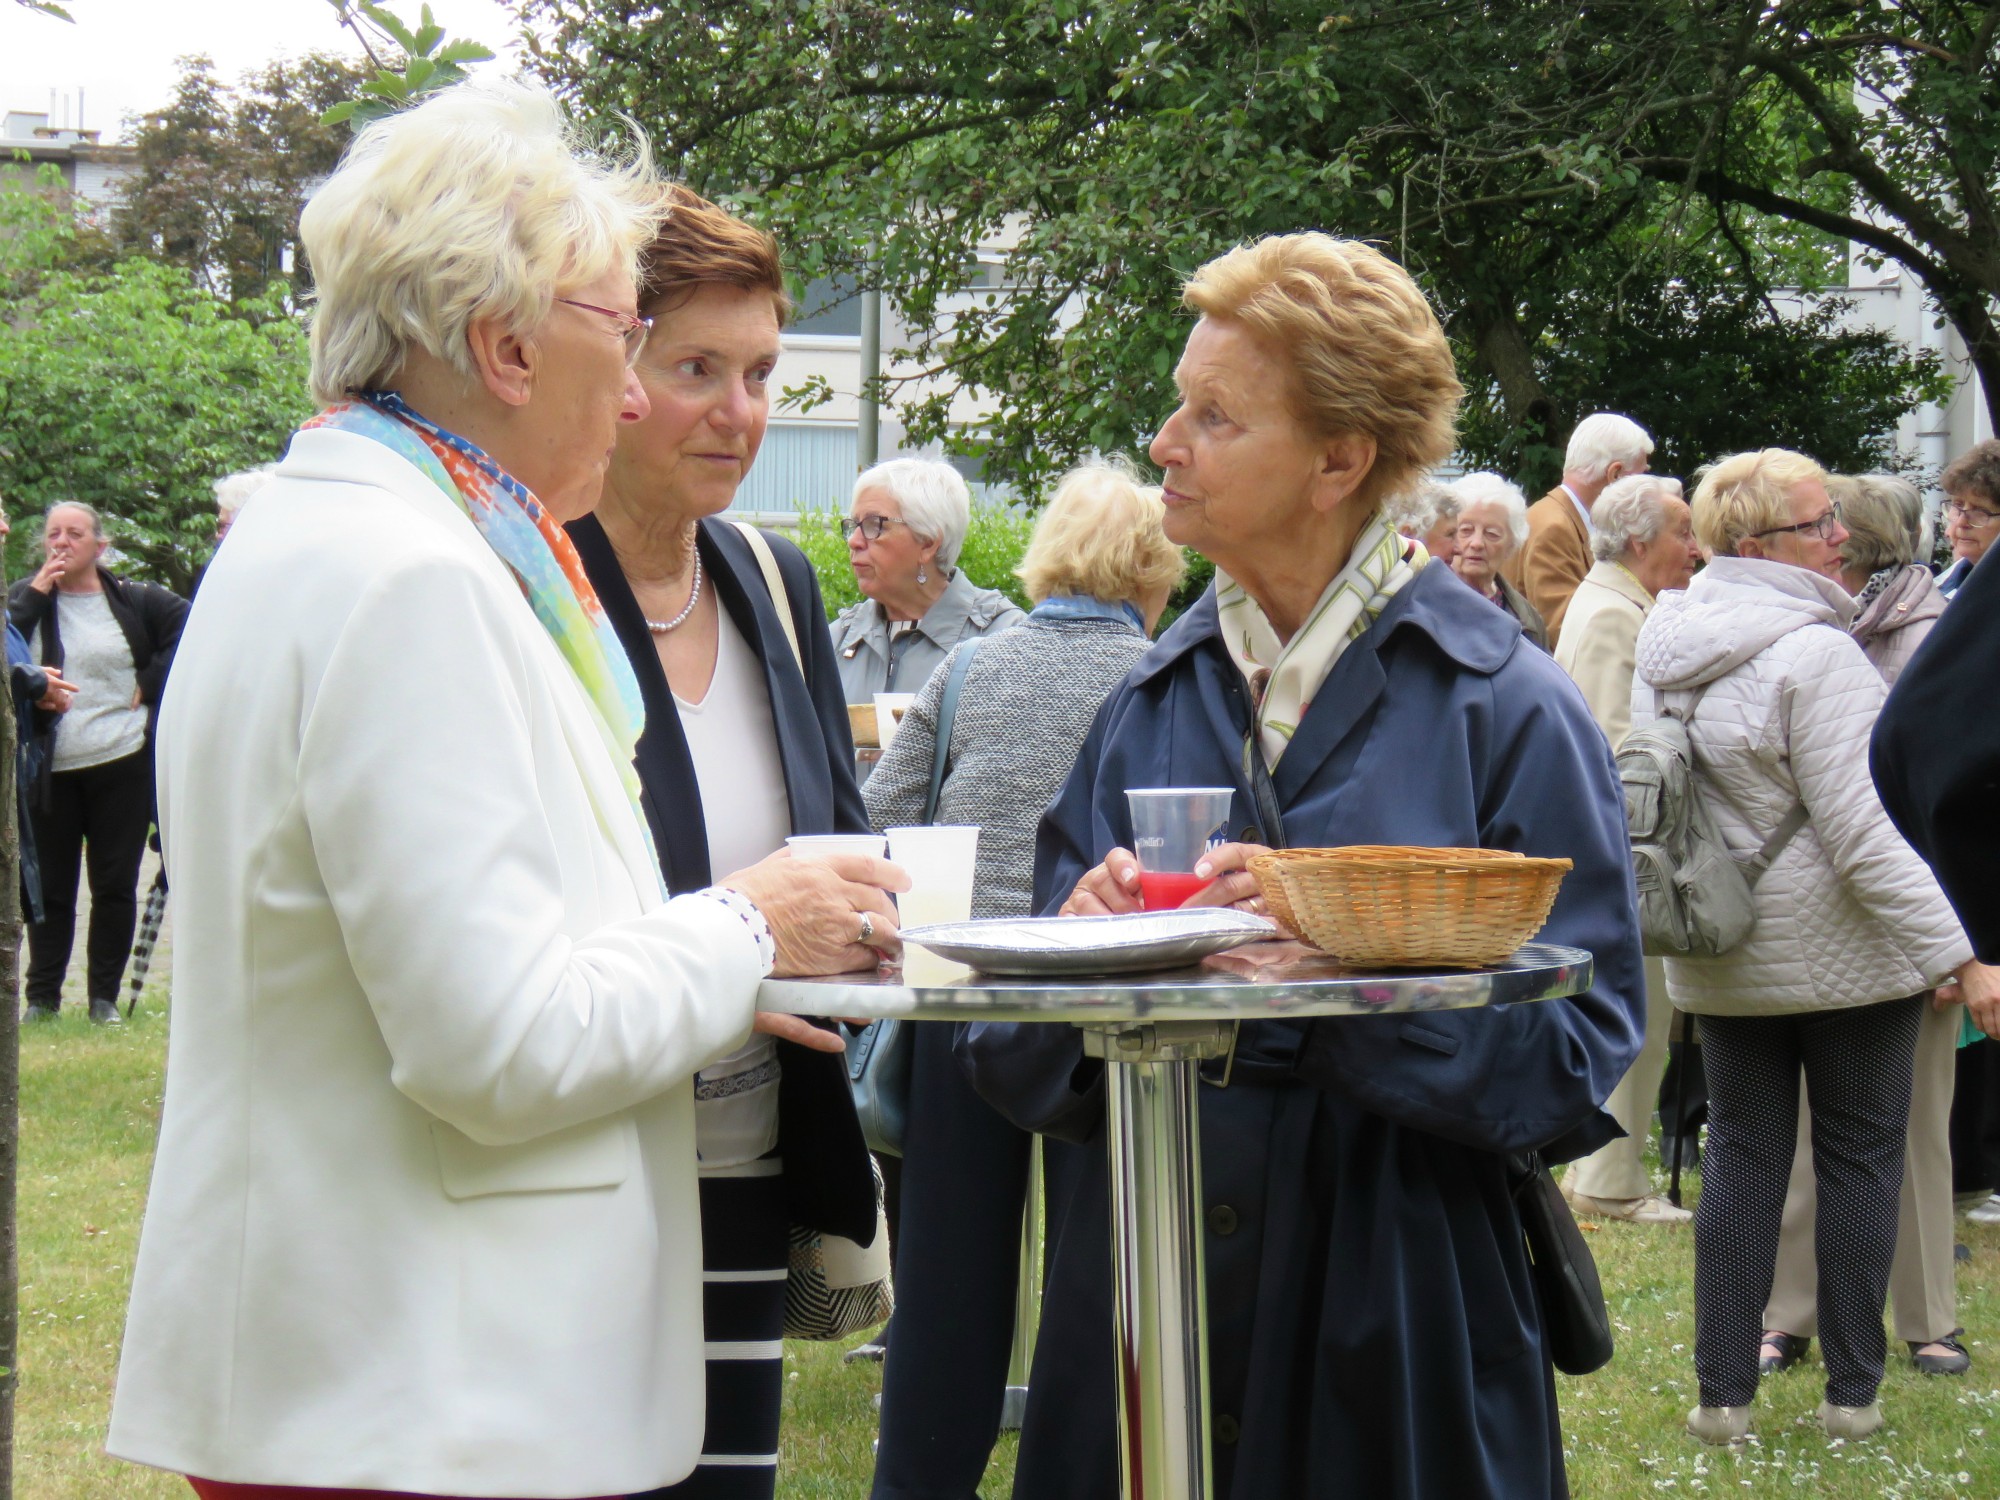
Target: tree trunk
10, 1082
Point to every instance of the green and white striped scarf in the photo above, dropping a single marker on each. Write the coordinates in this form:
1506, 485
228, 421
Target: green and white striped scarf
1284, 675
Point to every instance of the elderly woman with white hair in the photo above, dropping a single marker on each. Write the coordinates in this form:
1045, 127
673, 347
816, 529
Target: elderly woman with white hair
1492, 525
423, 1215
1852, 934
1099, 569
904, 532
1427, 512
1643, 536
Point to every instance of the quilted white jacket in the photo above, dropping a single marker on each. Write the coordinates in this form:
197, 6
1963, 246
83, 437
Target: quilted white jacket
1848, 914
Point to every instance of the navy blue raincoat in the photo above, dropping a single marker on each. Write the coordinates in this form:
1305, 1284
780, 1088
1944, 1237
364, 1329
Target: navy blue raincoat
1373, 1328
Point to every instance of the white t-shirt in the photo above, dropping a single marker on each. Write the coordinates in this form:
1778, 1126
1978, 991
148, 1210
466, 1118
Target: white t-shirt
733, 741
101, 724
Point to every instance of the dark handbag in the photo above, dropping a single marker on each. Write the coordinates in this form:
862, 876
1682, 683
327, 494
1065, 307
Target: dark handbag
834, 1287
878, 1060
1576, 1325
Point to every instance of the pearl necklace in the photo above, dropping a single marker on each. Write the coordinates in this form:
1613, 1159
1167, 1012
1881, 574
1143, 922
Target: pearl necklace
661, 627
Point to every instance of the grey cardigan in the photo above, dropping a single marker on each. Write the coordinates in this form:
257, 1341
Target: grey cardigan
1028, 701
870, 663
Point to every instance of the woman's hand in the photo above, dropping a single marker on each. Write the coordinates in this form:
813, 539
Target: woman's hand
1231, 884
790, 1028
1111, 888
827, 916
56, 699
51, 570
1977, 987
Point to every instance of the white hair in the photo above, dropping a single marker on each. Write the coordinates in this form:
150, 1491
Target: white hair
1602, 439
233, 490
1484, 488
1632, 509
481, 201
1415, 511
932, 496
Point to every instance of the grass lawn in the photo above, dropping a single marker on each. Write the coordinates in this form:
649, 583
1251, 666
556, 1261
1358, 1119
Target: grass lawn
90, 1103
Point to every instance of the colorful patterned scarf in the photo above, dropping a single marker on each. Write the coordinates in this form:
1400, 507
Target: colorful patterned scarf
1284, 675
534, 548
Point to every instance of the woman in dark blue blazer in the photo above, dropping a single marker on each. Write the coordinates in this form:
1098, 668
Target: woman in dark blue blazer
746, 743
1373, 1327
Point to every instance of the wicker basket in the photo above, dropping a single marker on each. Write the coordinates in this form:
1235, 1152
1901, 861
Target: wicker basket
861, 725
1379, 906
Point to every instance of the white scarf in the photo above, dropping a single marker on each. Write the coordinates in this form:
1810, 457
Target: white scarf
1284, 675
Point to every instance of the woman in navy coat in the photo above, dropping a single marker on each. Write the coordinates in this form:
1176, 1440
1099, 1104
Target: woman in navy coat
1373, 1328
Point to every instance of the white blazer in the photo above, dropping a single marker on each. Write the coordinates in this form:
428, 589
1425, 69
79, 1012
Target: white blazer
423, 1215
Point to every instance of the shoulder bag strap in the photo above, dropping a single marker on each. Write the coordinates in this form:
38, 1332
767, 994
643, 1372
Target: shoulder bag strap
947, 711
1775, 844
1788, 827
775, 582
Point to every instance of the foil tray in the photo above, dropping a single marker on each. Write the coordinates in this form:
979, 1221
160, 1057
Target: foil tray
1093, 945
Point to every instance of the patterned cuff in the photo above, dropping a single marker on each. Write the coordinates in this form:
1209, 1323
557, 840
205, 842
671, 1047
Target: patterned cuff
745, 908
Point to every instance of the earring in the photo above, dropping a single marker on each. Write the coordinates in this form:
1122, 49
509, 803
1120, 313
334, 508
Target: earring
922, 576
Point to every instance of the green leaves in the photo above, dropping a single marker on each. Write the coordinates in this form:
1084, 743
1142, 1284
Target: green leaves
135, 390
429, 61
1509, 155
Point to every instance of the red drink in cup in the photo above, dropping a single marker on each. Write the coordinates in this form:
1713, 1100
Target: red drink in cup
1171, 827
1163, 890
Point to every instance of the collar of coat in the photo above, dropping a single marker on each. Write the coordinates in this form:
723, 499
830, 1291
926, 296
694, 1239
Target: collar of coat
1456, 620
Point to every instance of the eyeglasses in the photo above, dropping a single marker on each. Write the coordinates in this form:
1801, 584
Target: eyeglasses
1822, 526
1971, 515
871, 527
631, 327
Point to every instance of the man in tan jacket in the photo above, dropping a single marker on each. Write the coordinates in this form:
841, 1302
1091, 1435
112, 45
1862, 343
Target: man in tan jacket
1603, 449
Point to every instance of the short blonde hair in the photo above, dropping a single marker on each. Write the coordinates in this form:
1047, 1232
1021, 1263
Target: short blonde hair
1883, 516
1370, 355
1746, 493
1102, 534
481, 201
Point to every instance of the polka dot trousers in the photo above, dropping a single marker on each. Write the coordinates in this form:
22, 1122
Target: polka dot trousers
1857, 1064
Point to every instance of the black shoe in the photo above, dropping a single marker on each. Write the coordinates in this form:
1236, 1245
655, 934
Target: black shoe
1961, 1252
35, 1014
1957, 1362
869, 1353
1791, 1349
105, 1013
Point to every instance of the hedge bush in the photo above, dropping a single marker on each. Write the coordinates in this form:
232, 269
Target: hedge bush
993, 547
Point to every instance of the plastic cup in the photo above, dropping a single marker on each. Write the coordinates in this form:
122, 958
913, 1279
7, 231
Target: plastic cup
939, 860
1171, 829
889, 711
824, 845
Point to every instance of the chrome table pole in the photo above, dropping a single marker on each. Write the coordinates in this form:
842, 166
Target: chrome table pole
1159, 1282
1027, 1297
1153, 1030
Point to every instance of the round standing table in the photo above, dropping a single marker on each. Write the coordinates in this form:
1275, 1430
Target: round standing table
1154, 1030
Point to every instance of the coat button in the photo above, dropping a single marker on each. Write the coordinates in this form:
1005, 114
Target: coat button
1251, 834
1226, 1430
1222, 1219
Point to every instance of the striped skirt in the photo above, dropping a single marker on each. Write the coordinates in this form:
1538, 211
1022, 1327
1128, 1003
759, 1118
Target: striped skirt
744, 1251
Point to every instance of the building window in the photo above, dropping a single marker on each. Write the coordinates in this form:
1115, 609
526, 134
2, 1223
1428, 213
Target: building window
802, 466
828, 307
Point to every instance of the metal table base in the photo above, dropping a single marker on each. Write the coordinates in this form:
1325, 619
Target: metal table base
1154, 1031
